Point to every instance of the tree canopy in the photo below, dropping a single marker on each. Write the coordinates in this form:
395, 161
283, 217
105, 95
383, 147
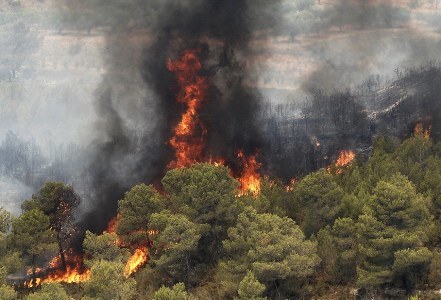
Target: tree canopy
374, 226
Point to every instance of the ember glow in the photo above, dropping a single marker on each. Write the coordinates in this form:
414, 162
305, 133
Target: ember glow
113, 223
250, 180
188, 138
420, 131
136, 261
290, 187
75, 271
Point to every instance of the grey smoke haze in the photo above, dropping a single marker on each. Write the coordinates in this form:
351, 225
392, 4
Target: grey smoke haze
346, 42
12, 193
346, 63
136, 102
95, 74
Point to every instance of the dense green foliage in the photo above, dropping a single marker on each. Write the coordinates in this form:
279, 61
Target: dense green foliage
32, 236
250, 288
137, 207
371, 225
273, 248
108, 282
177, 292
103, 247
51, 291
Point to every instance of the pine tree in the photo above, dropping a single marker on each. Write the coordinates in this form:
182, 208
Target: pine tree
273, 248
250, 288
135, 210
390, 232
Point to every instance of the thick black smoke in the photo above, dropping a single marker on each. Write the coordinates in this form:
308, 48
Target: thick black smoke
136, 101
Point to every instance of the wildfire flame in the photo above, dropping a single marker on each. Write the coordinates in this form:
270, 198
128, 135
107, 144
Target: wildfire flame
188, 138
290, 187
345, 158
250, 181
420, 131
137, 260
113, 223
139, 257
75, 271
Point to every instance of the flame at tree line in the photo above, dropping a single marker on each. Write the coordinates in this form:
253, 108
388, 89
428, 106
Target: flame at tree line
250, 181
290, 186
75, 271
345, 158
189, 133
188, 142
111, 226
420, 131
136, 261
139, 256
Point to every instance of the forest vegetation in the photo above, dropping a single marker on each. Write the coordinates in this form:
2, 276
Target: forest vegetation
366, 228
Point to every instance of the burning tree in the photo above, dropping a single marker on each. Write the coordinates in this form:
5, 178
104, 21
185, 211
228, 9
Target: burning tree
57, 201
132, 224
250, 181
344, 160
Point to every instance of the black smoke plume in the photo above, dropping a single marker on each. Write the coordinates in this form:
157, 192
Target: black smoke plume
136, 101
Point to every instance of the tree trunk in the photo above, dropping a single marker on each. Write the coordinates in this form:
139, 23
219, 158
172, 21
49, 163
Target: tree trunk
187, 273
34, 276
60, 249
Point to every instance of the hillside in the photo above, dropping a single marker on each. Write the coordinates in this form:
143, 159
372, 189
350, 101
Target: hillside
411, 99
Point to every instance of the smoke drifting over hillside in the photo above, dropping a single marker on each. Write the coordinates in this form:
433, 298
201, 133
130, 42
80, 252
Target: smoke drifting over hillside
137, 105
327, 60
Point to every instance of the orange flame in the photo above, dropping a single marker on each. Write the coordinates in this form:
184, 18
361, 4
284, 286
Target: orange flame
345, 158
113, 223
137, 260
188, 138
71, 275
291, 185
217, 161
75, 271
250, 181
420, 131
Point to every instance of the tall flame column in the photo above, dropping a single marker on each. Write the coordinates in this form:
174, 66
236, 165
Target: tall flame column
189, 133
